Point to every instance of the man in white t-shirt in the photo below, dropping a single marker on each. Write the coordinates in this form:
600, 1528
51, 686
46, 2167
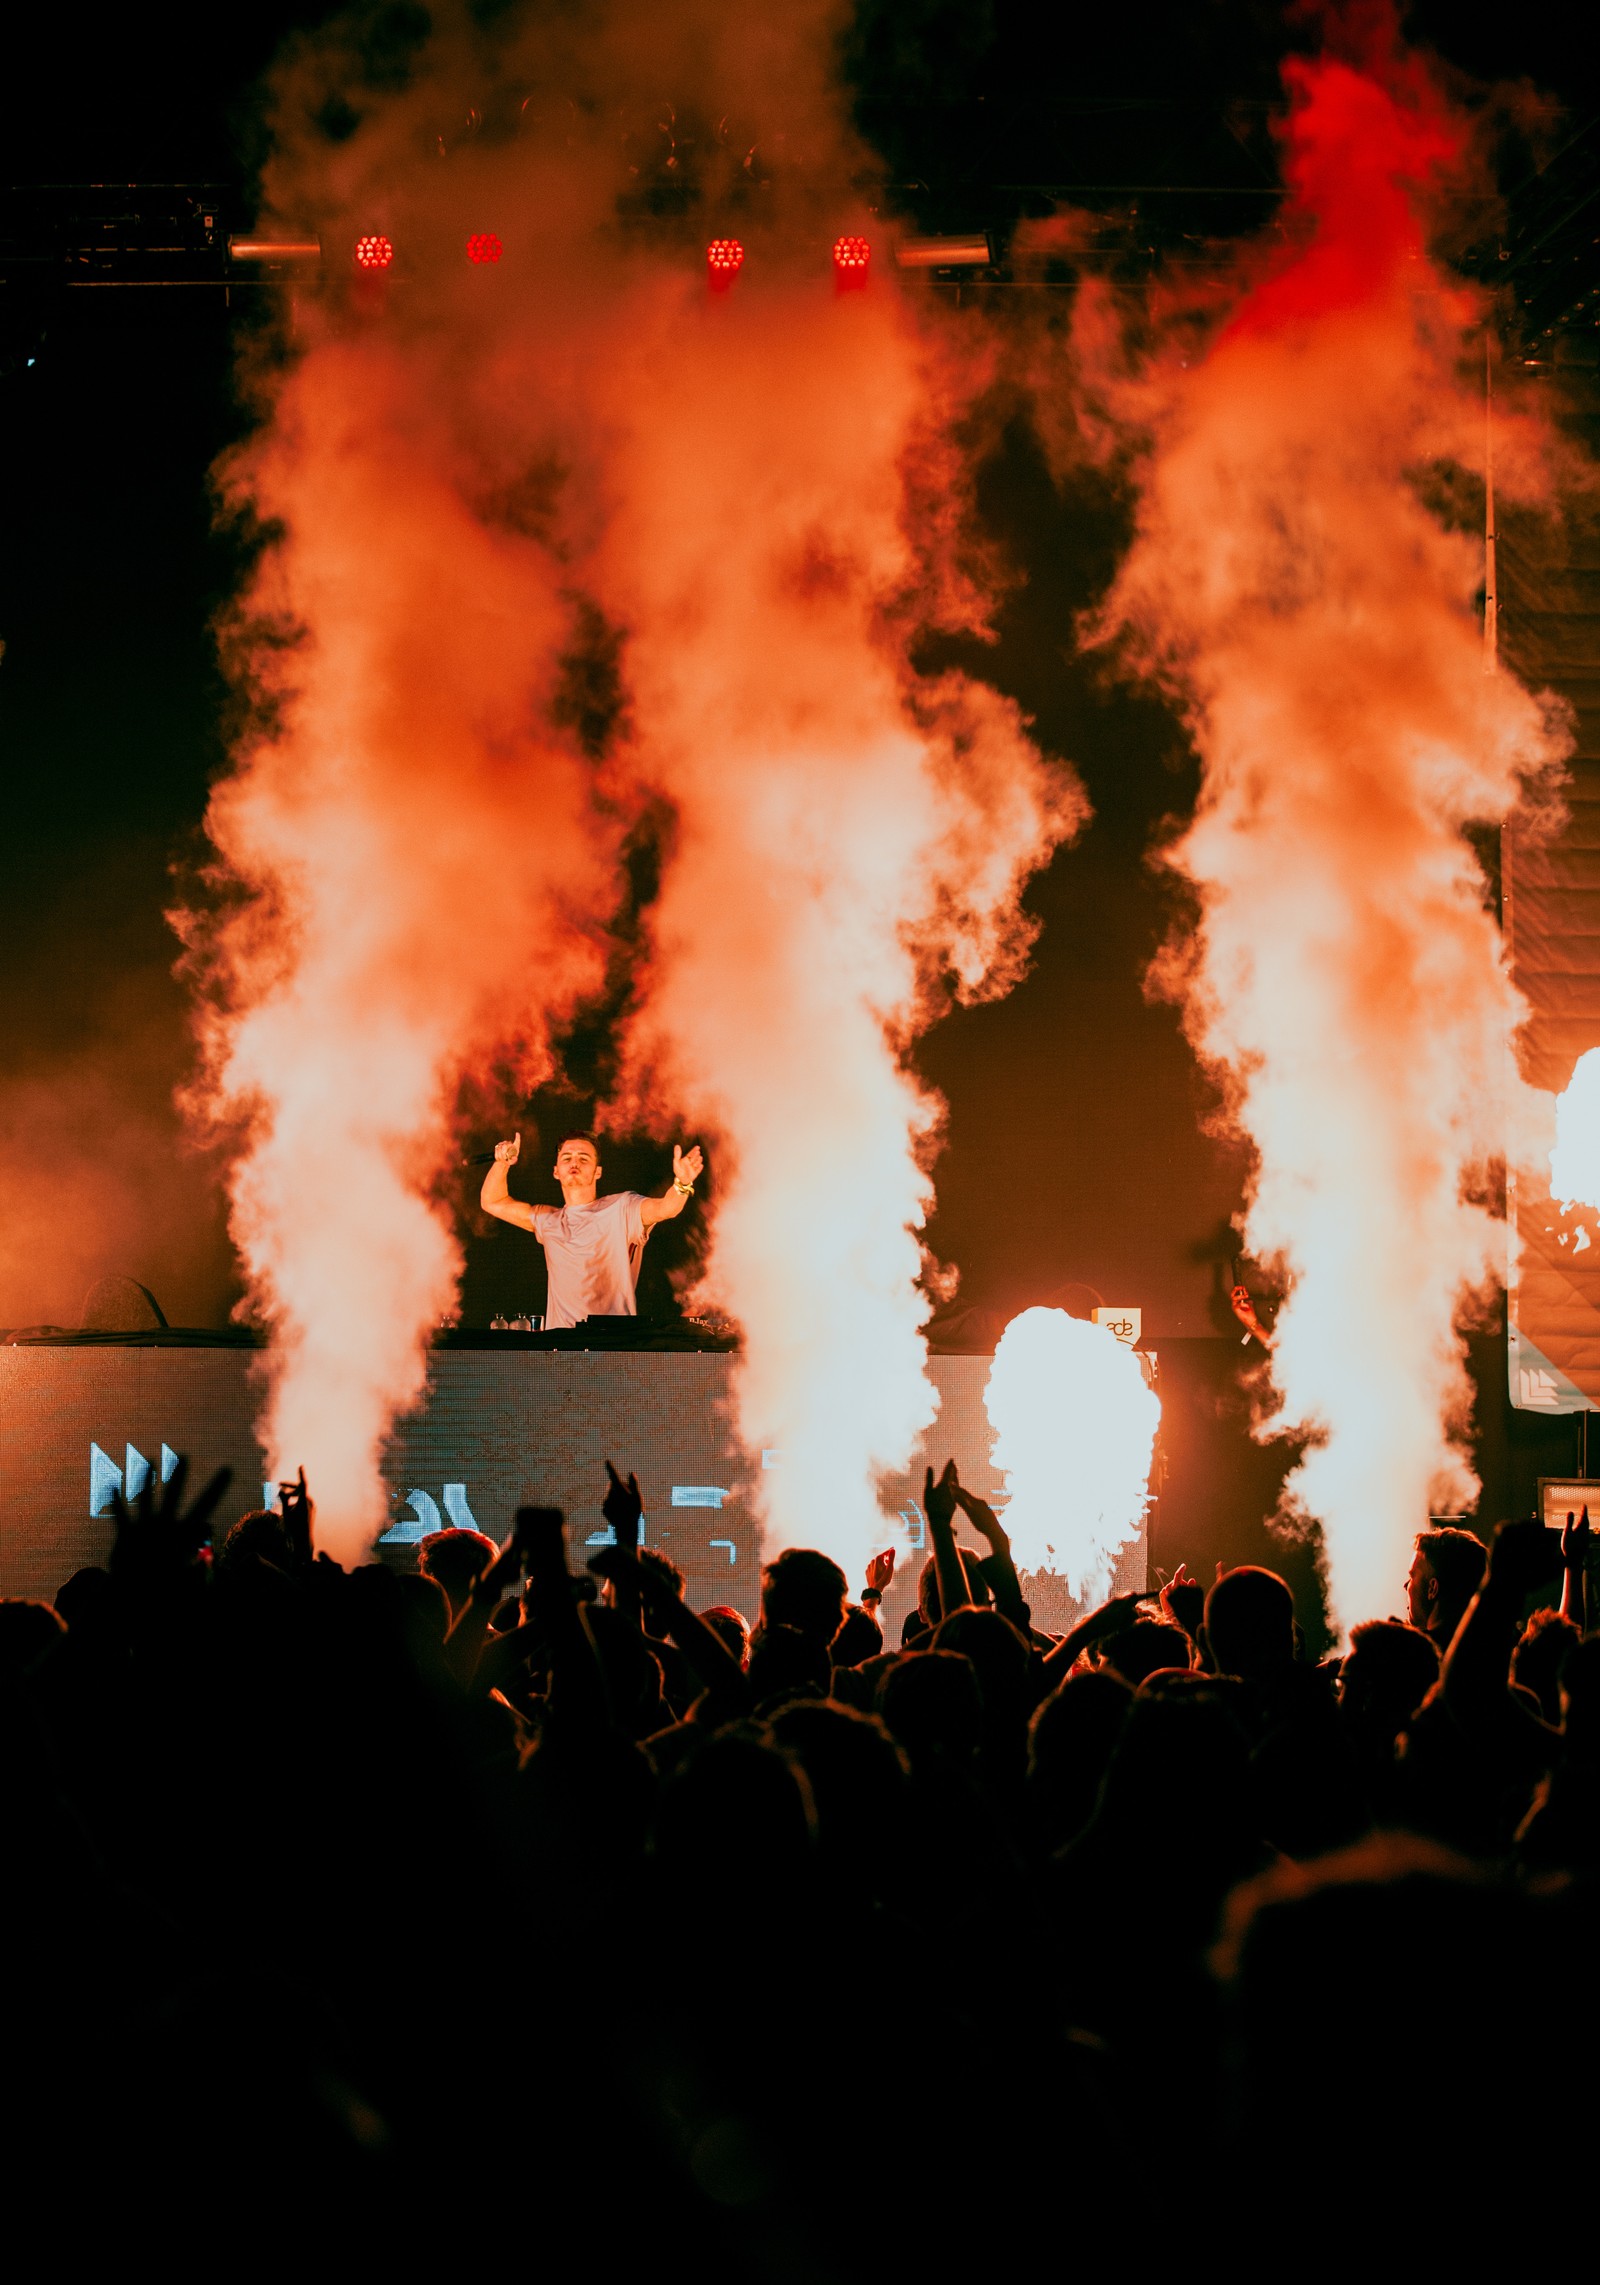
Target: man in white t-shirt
592, 1246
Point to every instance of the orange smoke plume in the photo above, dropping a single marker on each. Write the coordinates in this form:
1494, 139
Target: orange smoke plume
840, 838
467, 462
1290, 582
412, 849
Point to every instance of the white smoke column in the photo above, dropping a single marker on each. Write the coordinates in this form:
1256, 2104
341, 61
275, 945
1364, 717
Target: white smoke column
1347, 984
1075, 1427
1575, 1154
406, 847
841, 837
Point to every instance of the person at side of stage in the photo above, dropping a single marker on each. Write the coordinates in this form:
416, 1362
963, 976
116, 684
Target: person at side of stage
592, 1245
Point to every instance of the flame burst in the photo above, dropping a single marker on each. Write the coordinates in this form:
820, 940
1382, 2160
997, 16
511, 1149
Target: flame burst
468, 472
1075, 1427
1290, 582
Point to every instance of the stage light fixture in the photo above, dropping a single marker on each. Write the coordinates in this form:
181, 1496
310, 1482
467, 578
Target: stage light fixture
724, 260
243, 249
374, 252
970, 253
484, 246
851, 257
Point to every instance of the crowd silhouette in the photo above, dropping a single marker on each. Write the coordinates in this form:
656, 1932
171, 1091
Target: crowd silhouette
506, 1908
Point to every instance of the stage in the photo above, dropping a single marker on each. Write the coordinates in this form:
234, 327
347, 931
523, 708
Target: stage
506, 1422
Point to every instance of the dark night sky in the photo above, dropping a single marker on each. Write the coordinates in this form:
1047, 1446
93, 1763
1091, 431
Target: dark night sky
1076, 1153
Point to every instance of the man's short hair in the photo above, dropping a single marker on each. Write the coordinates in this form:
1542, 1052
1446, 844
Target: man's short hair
859, 1638
1149, 1646
563, 1140
1458, 1558
803, 1589
1250, 1622
1389, 1669
663, 1568
1540, 1659
456, 1559
732, 1628
259, 1536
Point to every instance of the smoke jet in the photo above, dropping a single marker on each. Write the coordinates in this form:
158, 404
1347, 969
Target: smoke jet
467, 470
1290, 583
839, 836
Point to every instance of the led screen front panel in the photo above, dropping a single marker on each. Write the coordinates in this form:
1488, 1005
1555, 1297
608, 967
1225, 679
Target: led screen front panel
496, 1430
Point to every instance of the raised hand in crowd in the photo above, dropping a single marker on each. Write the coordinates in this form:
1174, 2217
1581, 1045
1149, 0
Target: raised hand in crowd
155, 1536
1575, 1570
641, 1589
1109, 1618
999, 1570
1184, 1601
299, 1512
1475, 1682
468, 1633
880, 1576
939, 1500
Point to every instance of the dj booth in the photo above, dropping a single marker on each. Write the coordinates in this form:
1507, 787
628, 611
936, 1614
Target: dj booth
514, 1418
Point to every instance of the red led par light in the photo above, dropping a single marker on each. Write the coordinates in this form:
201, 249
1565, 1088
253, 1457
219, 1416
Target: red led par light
484, 246
724, 261
851, 257
374, 252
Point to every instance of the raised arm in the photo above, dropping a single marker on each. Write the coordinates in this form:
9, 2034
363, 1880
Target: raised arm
939, 1506
1476, 1676
1000, 1570
1575, 1571
495, 1196
687, 1168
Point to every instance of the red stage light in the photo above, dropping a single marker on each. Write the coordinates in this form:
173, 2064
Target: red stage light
374, 252
850, 259
724, 260
484, 246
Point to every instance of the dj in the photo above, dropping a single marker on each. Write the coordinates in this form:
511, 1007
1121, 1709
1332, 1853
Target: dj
591, 1245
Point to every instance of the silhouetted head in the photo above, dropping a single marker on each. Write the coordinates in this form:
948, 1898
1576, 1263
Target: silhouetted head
29, 1633
857, 1777
1002, 1660
1070, 1741
785, 1663
1177, 1785
1249, 1624
731, 1627
928, 1602
1447, 1569
88, 1598
258, 1537
631, 1671
803, 1590
1387, 1672
1417, 1963
663, 1568
457, 1560
859, 1638
734, 1819
1149, 1646
425, 1612
931, 1703
1540, 1659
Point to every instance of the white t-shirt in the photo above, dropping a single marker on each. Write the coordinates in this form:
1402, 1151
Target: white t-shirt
592, 1253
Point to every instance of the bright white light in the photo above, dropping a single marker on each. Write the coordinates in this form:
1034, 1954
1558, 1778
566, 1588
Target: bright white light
1575, 1154
1075, 1427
